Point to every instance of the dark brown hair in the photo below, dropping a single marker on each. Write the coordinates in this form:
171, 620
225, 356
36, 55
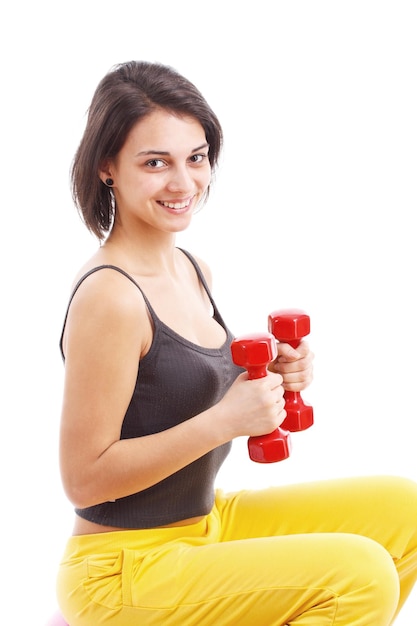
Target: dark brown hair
128, 93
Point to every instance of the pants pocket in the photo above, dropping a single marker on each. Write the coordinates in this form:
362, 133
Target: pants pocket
108, 581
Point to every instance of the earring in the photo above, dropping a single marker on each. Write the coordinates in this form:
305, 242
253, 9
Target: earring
109, 182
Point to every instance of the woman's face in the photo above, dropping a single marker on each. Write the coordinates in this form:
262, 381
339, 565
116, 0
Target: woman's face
161, 173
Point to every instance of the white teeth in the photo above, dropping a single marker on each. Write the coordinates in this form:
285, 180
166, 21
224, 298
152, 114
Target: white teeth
175, 205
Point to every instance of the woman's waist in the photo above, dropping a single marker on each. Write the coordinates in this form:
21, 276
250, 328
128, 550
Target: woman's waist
85, 527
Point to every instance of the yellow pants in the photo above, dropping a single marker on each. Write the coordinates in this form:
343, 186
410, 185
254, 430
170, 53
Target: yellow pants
340, 552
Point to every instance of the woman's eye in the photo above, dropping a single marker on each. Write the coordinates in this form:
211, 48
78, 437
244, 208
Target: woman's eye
198, 158
155, 163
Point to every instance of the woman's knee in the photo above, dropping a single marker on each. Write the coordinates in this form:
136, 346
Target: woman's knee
371, 579
398, 489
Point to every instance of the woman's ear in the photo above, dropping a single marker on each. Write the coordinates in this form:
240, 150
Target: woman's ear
105, 174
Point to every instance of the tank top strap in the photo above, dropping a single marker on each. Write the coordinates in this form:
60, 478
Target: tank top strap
216, 312
155, 318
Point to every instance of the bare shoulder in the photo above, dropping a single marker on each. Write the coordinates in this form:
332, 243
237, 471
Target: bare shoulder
109, 289
106, 303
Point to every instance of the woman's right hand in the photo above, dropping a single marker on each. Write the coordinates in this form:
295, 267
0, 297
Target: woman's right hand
253, 407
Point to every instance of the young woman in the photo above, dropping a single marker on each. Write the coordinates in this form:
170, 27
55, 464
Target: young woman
152, 402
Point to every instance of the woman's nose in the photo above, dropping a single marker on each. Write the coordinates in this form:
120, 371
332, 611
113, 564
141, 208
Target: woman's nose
180, 180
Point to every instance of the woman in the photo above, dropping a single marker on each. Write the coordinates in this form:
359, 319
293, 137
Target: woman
152, 402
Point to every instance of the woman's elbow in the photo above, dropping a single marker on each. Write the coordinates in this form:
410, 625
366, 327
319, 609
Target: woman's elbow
80, 492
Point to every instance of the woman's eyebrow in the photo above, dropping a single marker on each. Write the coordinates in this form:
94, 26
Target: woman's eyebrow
165, 153
204, 145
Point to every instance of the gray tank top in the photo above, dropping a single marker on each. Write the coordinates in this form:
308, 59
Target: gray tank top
176, 380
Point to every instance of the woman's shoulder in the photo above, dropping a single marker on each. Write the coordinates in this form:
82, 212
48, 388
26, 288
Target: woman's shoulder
104, 285
91, 266
105, 304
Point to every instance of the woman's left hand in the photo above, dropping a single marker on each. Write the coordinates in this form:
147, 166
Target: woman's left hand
295, 366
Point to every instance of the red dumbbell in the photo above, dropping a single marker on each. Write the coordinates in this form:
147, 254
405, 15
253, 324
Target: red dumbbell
254, 352
290, 326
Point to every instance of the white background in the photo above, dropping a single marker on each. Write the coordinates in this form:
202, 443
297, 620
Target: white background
313, 207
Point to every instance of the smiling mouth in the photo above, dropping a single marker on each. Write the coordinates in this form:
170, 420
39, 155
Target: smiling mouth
176, 205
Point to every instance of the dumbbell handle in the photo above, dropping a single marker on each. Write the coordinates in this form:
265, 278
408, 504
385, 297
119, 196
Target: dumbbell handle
290, 326
254, 352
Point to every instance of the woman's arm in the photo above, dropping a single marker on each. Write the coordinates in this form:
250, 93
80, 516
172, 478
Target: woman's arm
108, 330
